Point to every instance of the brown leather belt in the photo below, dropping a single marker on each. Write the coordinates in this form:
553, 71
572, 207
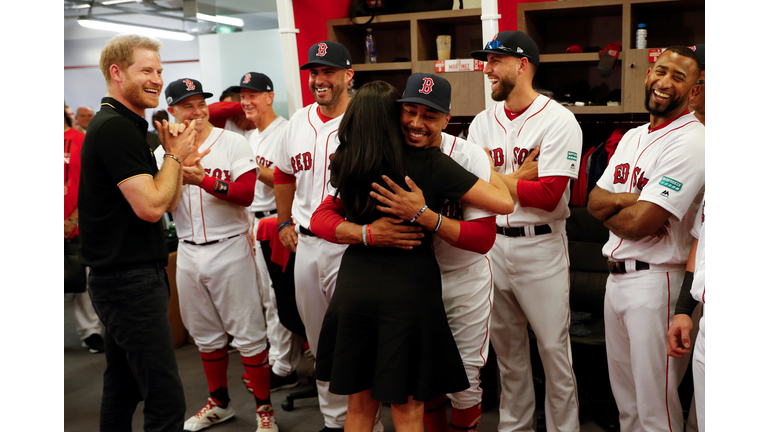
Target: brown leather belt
618, 267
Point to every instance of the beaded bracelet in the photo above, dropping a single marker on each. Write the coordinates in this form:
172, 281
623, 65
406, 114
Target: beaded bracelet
168, 155
283, 225
439, 221
423, 209
365, 234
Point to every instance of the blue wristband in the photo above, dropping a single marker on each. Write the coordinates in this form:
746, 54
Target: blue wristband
283, 225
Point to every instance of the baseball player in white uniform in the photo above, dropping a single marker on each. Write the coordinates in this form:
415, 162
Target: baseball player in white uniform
530, 256
256, 96
301, 183
648, 198
680, 335
216, 273
464, 237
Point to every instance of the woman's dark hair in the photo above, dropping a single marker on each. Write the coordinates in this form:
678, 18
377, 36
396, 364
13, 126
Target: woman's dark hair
371, 144
67, 120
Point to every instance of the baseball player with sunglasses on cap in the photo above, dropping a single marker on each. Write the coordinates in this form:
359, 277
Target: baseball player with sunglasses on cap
530, 255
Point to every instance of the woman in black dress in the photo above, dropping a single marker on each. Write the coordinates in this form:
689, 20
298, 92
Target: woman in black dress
385, 336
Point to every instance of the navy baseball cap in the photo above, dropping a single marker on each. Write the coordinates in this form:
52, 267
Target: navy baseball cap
510, 43
430, 90
254, 81
328, 53
182, 89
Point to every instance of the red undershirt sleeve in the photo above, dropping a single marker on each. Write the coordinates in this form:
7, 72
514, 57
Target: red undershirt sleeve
328, 215
477, 235
220, 111
238, 192
543, 194
283, 178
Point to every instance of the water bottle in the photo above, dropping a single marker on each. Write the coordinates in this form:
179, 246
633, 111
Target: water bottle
370, 48
641, 39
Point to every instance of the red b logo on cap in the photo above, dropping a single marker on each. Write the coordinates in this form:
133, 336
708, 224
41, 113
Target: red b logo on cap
190, 84
247, 78
427, 86
322, 49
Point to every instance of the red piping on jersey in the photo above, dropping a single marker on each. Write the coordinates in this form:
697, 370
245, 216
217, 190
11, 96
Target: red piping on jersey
654, 141
265, 136
620, 241
568, 326
667, 123
202, 214
452, 146
542, 109
314, 146
666, 378
487, 322
327, 159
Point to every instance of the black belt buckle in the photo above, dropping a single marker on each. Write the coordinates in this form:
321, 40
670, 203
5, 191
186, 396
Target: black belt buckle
616, 267
520, 231
306, 231
263, 214
210, 242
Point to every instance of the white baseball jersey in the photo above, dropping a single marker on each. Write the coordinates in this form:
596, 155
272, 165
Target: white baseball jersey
545, 124
474, 160
697, 289
305, 152
665, 166
232, 126
201, 217
264, 145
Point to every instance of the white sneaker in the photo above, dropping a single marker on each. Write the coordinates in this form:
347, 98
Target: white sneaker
265, 415
209, 416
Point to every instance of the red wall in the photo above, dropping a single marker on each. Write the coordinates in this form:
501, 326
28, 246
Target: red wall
311, 16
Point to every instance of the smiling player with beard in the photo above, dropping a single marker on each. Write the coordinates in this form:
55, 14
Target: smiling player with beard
648, 198
530, 256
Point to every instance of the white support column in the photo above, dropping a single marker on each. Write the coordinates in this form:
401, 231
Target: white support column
490, 17
288, 32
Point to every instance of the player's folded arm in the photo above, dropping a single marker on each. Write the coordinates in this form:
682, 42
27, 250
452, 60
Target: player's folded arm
638, 220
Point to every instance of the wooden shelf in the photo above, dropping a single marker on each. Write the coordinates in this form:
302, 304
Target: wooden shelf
572, 57
557, 25
379, 67
413, 37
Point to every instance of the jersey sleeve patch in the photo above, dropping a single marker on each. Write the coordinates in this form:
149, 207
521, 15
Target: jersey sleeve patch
671, 183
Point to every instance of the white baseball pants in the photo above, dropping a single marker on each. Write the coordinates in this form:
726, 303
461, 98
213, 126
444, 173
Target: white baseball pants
218, 294
532, 285
468, 300
639, 307
698, 375
315, 271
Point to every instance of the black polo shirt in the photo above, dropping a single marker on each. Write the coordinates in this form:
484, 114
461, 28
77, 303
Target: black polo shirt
115, 149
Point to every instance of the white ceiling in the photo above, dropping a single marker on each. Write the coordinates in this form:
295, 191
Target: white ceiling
168, 14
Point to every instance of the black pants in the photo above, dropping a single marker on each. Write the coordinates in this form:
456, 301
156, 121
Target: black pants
141, 364
285, 291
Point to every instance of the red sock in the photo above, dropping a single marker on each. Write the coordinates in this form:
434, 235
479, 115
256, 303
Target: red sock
257, 368
215, 366
463, 420
436, 414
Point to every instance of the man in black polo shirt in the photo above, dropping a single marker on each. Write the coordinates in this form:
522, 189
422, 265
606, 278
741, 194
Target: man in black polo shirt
122, 198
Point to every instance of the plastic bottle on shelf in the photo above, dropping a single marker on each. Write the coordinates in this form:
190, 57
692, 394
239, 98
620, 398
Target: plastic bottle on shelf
370, 47
641, 39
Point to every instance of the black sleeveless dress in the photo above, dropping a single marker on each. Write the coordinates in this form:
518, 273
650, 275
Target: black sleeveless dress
385, 328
